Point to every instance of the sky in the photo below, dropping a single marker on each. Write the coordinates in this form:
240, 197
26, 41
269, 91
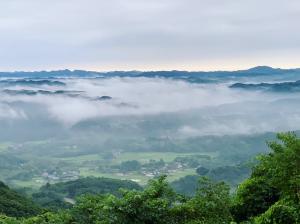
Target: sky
148, 35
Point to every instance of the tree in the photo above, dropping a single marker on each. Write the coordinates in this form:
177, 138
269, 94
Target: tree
254, 196
281, 212
14, 204
202, 170
211, 204
52, 196
275, 177
128, 166
134, 207
157, 204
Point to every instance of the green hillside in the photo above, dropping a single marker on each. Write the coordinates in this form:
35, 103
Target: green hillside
14, 204
62, 195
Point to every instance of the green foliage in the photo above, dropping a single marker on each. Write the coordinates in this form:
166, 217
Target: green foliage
210, 204
157, 204
279, 213
46, 218
276, 177
191, 161
51, 200
15, 205
91, 209
254, 196
230, 174
186, 185
154, 165
8, 220
202, 170
282, 166
134, 207
52, 196
128, 166
50, 218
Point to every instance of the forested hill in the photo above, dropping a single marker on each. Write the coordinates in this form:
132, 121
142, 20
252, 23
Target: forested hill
274, 87
14, 204
57, 196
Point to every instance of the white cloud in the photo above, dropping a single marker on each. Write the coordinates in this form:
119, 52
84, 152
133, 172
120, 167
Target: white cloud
7, 112
156, 34
200, 109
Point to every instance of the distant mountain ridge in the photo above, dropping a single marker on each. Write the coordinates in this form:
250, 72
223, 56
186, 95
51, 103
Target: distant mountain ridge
31, 82
259, 70
275, 87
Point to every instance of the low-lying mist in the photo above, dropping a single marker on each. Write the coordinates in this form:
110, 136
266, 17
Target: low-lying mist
160, 106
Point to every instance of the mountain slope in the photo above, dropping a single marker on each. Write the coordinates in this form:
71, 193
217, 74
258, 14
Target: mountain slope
13, 204
59, 195
274, 87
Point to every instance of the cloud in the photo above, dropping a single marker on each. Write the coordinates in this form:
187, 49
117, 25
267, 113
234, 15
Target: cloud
130, 96
178, 107
140, 34
7, 113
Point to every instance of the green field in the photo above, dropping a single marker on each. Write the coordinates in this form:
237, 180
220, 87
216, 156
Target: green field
4, 146
142, 157
88, 165
139, 178
146, 156
25, 164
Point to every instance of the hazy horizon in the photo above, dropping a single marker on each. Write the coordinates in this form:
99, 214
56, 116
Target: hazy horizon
153, 70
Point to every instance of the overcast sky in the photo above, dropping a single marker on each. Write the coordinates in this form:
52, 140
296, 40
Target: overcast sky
148, 34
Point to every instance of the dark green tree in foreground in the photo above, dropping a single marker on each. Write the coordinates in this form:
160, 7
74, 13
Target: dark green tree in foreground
158, 203
273, 191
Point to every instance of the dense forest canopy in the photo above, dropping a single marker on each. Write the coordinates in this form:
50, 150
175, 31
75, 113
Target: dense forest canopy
16, 205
